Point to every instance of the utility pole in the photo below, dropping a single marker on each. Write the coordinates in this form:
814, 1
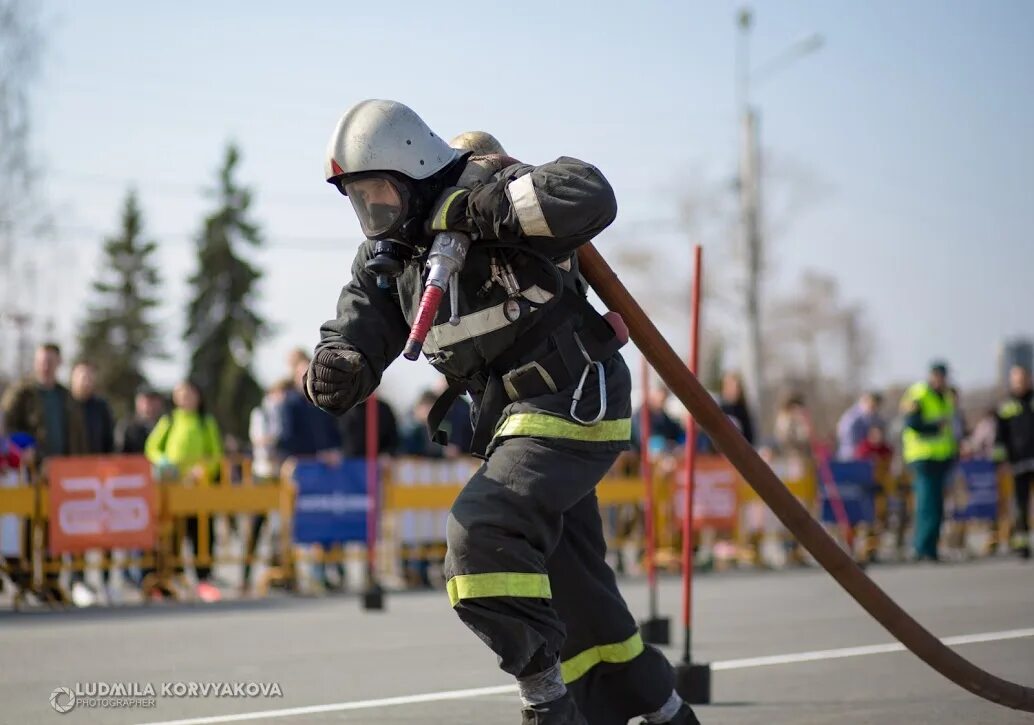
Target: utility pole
750, 227
752, 244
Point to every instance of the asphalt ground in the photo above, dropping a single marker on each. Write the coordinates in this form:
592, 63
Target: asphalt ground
415, 663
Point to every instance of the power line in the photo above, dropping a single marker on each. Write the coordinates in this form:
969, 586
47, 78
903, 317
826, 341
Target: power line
286, 242
180, 189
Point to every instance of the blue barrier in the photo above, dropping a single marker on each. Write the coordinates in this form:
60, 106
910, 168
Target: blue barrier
331, 504
856, 485
981, 479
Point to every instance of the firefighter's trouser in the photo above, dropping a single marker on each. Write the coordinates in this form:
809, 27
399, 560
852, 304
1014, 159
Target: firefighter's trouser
527, 574
1021, 526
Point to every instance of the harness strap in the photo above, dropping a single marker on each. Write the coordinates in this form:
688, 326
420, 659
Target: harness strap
440, 409
512, 379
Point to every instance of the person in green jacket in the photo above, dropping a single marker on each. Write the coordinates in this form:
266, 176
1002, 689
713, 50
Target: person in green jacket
929, 447
187, 441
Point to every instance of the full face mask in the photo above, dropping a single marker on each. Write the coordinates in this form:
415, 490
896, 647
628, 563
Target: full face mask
392, 210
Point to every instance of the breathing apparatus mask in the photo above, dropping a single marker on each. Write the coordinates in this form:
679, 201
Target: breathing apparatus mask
392, 210
392, 167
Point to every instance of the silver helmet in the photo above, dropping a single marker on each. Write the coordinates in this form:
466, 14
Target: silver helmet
376, 147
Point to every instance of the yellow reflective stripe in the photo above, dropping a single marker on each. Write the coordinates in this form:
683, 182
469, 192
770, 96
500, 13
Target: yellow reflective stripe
442, 216
498, 584
617, 653
543, 425
1010, 409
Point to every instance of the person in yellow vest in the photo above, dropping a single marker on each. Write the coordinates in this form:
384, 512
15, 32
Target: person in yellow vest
929, 447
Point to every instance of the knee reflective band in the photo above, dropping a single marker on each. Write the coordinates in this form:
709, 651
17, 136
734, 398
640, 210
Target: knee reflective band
501, 584
616, 653
542, 425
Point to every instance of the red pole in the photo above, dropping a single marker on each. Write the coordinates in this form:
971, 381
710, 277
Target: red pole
691, 449
829, 484
373, 503
647, 474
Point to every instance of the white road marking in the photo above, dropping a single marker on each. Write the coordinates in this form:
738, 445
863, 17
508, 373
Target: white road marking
740, 664
872, 649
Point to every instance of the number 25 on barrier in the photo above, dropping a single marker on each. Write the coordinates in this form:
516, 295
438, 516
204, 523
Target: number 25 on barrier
101, 502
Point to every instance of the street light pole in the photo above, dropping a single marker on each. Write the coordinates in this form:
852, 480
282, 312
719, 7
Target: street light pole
750, 202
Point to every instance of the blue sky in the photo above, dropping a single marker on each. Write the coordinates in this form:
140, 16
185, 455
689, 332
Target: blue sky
915, 118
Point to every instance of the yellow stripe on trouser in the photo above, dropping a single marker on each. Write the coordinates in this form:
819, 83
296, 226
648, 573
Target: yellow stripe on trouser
543, 425
499, 584
617, 653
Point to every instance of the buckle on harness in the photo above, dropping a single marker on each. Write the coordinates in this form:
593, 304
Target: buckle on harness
511, 380
577, 396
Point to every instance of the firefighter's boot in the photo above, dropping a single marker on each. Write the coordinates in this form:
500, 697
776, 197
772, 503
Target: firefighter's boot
557, 712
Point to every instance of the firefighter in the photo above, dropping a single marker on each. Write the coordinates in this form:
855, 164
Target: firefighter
1015, 445
525, 564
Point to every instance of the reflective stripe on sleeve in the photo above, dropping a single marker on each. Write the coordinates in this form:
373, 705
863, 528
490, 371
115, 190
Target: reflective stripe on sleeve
617, 653
527, 207
498, 584
441, 219
543, 425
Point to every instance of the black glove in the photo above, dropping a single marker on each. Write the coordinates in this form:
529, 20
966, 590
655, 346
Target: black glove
449, 213
334, 379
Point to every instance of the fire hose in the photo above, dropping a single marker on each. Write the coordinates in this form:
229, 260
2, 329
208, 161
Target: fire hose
783, 504
446, 260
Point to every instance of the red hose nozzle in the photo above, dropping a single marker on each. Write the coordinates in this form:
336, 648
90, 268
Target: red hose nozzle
424, 319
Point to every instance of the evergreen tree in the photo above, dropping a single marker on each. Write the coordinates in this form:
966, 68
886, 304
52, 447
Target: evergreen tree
118, 334
222, 324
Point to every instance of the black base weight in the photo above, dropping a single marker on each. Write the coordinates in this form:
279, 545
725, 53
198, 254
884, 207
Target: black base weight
693, 682
373, 598
656, 630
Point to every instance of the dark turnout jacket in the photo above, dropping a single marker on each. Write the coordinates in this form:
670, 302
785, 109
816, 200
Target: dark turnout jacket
550, 210
1016, 431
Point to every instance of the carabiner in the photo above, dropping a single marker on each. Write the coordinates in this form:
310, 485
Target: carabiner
576, 398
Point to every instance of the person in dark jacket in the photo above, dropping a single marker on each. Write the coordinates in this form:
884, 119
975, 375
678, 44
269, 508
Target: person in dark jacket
352, 429
100, 440
131, 433
97, 417
665, 432
1015, 445
733, 403
307, 431
525, 564
43, 409
456, 425
416, 440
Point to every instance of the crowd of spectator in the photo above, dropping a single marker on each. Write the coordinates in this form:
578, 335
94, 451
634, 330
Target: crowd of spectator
41, 418
920, 440
926, 434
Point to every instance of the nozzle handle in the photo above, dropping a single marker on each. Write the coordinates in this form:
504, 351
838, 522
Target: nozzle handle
425, 315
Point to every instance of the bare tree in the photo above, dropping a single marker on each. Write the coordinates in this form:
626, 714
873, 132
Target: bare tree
818, 345
22, 215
